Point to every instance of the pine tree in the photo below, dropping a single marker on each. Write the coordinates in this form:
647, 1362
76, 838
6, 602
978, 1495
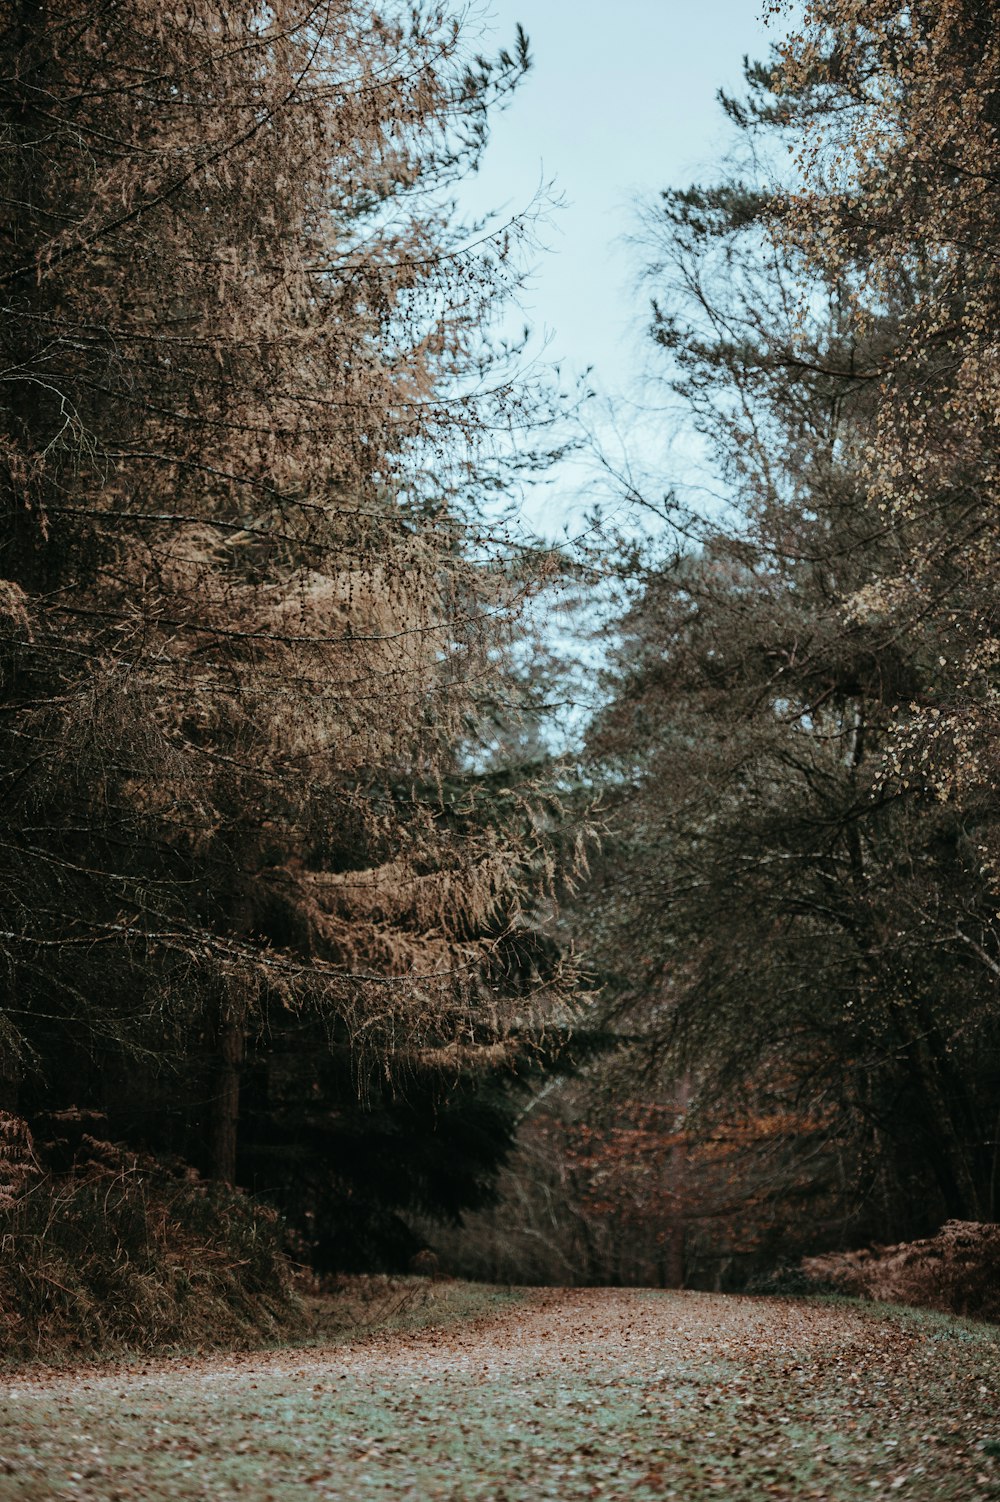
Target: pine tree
897, 168
792, 930
252, 596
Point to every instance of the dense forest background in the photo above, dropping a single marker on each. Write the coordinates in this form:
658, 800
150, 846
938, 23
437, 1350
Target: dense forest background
304, 907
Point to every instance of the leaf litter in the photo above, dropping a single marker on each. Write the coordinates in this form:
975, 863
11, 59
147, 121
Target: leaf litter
568, 1395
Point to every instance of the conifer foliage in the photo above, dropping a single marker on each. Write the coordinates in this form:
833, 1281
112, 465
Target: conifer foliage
899, 163
251, 605
800, 745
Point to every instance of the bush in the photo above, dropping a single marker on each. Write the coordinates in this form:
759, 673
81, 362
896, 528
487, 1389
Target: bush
957, 1270
129, 1255
787, 1280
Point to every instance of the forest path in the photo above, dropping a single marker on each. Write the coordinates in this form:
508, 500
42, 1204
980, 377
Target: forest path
572, 1395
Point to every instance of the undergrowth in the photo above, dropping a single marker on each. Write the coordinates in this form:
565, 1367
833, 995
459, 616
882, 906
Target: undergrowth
353, 1305
137, 1258
957, 1270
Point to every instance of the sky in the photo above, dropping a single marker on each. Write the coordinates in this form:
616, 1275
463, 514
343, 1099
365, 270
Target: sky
620, 102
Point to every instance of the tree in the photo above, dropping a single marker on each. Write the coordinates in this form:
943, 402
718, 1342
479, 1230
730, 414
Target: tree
256, 591
805, 928
898, 162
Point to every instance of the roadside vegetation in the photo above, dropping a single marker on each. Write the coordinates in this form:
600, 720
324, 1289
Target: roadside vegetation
318, 955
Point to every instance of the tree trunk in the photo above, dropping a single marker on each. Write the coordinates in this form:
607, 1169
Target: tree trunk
226, 1101
673, 1258
949, 1155
677, 1188
10, 1084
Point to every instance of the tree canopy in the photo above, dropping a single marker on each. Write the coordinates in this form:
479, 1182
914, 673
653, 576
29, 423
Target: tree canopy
794, 915
258, 590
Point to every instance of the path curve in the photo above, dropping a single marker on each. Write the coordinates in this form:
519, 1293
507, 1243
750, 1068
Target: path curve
580, 1394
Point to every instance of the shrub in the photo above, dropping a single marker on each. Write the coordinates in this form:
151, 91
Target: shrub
125, 1254
957, 1270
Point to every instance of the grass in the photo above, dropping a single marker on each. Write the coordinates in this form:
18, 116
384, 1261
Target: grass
351, 1307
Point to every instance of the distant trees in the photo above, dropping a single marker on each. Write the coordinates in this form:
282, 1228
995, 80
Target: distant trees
254, 609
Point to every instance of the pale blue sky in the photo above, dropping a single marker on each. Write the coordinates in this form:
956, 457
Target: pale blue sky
620, 103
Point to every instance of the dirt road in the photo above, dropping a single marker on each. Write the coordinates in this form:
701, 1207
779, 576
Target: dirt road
578, 1395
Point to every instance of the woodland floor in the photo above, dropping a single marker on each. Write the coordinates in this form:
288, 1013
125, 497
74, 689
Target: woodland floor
564, 1395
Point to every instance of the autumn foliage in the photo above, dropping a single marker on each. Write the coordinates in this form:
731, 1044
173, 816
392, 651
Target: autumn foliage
957, 1270
282, 858
259, 590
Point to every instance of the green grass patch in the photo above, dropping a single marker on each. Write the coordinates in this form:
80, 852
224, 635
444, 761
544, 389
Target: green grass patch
355, 1306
